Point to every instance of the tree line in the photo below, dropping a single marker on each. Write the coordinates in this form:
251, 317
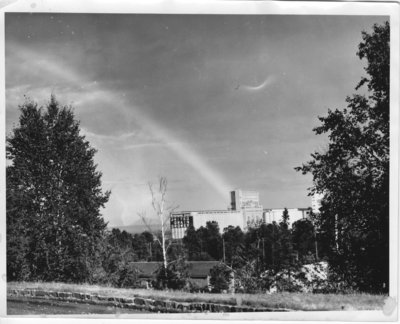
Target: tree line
271, 245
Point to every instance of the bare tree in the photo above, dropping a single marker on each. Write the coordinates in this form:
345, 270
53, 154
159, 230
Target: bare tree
163, 212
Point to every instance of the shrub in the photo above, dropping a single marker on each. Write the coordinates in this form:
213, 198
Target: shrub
197, 288
220, 278
309, 278
128, 276
175, 276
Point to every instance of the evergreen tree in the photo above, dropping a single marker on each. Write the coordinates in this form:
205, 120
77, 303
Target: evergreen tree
285, 218
288, 261
141, 245
270, 245
213, 241
191, 243
303, 238
54, 197
285, 239
233, 239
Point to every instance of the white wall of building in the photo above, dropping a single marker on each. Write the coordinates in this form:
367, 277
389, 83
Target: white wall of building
246, 210
275, 215
252, 215
316, 202
224, 218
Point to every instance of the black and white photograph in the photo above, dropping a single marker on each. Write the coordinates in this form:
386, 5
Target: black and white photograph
208, 162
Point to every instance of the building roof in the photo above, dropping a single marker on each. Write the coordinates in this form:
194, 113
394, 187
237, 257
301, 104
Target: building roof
196, 269
206, 211
147, 269
288, 208
200, 269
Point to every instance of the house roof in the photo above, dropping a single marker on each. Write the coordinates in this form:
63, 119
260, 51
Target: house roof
147, 269
196, 269
200, 269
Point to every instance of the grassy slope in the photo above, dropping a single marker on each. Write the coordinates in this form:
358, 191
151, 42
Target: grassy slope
295, 301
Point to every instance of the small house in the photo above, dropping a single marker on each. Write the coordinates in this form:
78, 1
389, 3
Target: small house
198, 271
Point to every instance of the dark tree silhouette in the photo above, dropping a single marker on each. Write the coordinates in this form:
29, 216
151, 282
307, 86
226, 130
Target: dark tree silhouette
303, 238
191, 243
233, 239
353, 174
54, 197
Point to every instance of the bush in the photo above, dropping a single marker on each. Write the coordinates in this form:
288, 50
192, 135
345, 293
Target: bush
220, 278
249, 280
309, 278
197, 288
128, 276
175, 276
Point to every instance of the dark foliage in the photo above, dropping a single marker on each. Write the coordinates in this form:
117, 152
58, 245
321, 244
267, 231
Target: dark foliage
54, 197
353, 174
116, 259
288, 257
220, 276
203, 244
175, 276
304, 240
192, 244
233, 239
213, 240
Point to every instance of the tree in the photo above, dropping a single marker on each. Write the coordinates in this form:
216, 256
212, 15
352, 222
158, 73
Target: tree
268, 244
285, 218
175, 276
116, 260
287, 259
233, 239
255, 248
353, 173
213, 240
191, 243
142, 246
54, 197
163, 212
220, 278
303, 238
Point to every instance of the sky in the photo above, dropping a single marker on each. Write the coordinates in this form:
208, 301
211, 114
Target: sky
212, 102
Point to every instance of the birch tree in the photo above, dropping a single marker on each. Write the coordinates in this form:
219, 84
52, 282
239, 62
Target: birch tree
163, 212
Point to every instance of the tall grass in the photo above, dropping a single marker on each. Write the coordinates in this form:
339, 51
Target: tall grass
294, 301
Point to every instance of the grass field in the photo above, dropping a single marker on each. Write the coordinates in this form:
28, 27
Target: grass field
31, 306
294, 301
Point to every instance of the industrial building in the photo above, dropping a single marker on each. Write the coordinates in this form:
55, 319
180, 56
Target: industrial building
316, 202
245, 209
295, 214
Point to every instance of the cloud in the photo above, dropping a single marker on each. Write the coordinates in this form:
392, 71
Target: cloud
66, 76
267, 82
103, 137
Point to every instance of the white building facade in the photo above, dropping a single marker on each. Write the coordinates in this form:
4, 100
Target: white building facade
275, 215
316, 202
245, 210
